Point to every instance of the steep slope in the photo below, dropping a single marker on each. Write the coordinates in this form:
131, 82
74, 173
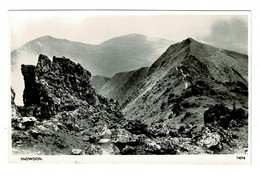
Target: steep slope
115, 55
188, 74
119, 86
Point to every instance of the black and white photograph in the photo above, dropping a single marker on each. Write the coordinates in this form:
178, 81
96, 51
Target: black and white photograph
136, 83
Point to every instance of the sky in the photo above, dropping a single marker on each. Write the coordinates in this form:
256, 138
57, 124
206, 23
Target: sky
224, 30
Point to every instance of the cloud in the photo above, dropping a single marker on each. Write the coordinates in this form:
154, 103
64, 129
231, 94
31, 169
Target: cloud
229, 34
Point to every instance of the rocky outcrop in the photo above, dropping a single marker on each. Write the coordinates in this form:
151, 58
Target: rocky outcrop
61, 109
60, 85
223, 116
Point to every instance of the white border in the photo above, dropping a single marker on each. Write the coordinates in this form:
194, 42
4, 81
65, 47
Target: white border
112, 169
161, 159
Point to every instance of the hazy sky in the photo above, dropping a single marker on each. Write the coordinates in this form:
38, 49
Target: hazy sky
227, 30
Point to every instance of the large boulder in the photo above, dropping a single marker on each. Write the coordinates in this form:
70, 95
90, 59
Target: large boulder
61, 85
56, 86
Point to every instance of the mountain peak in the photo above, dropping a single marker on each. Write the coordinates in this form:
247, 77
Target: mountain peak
45, 37
188, 41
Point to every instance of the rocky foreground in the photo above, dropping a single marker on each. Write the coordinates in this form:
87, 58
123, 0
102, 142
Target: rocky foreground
63, 115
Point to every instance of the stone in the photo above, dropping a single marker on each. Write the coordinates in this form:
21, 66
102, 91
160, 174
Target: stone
94, 150
85, 138
103, 141
28, 119
76, 152
123, 136
210, 140
151, 145
106, 133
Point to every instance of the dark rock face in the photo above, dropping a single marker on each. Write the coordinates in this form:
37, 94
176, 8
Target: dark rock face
223, 116
57, 86
31, 94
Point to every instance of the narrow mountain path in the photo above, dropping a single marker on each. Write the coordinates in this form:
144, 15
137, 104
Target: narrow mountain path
184, 77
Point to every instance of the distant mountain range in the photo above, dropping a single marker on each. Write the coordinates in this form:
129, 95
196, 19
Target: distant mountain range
118, 54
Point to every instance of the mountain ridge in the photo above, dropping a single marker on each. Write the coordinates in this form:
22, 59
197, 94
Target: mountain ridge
186, 71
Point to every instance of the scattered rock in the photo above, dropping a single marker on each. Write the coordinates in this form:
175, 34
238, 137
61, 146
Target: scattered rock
211, 140
76, 152
103, 141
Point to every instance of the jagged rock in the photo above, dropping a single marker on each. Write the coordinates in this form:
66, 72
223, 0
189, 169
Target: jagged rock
65, 108
61, 85
56, 86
